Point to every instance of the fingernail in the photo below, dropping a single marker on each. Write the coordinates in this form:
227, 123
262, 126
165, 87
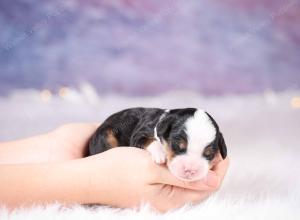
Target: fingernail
212, 180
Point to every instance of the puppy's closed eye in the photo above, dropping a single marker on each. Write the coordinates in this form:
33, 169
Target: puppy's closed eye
179, 146
209, 153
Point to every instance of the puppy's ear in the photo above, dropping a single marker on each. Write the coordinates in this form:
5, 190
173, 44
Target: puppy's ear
165, 126
222, 146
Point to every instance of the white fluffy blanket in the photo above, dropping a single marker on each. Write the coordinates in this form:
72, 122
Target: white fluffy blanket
261, 131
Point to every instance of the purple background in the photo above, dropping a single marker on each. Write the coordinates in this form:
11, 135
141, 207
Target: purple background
149, 47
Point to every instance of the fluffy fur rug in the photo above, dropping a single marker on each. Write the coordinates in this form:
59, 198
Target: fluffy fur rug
261, 131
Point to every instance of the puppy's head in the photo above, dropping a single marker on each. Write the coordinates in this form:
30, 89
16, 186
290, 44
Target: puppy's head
192, 141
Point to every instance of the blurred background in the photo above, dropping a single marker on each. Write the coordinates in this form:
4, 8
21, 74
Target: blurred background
76, 60
144, 47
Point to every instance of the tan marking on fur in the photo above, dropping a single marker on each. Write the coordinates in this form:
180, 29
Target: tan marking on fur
170, 154
148, 142
208, 151
111, 139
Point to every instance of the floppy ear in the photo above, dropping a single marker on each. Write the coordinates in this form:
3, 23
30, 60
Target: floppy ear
165, 126
222, 146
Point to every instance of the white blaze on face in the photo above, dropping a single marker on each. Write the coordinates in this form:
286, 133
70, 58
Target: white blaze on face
192, 165
200, 132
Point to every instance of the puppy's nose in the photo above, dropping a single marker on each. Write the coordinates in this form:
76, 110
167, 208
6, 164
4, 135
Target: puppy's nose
188, 167
190, 171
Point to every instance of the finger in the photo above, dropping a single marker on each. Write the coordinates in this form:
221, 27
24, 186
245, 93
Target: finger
193, 196
183, 197
221, 168
164, 176
218, 158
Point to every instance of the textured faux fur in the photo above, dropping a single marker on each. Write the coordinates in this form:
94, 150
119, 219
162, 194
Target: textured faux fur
262, 134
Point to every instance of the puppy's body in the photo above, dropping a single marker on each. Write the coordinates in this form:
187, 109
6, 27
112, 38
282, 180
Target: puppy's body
130, 127
188, 139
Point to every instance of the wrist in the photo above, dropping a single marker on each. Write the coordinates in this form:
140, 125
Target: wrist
103, 184
70, 182
40, 184
96, 186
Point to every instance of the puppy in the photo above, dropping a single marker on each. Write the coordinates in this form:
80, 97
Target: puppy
187, 140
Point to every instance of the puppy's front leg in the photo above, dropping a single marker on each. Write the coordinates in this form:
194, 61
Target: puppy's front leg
157, 152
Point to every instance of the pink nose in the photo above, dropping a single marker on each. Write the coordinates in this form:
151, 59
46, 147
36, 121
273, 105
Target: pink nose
189, 167
190, 173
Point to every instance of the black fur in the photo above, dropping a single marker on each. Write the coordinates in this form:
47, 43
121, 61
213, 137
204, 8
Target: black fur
131, 127
222, 146
135, 127
219, 142
171, 129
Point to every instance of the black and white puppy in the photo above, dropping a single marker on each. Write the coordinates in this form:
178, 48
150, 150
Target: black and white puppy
188, 140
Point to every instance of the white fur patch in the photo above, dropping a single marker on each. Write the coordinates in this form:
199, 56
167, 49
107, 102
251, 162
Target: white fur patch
200, 132
161, 117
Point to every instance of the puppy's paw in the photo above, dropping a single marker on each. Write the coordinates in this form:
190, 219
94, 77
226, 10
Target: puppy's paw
159, 158
157, 152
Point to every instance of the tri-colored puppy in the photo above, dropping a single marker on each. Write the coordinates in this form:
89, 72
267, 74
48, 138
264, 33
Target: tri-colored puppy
187, 140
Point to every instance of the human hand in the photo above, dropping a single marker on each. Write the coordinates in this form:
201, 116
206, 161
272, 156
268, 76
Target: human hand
65, 143
71, 140
121, 177
126, 176
134, 177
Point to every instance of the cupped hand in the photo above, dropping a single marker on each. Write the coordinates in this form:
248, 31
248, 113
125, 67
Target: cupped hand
70, 141
120, 177
127, 177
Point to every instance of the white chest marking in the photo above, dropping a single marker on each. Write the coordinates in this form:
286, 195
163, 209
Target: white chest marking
161, 117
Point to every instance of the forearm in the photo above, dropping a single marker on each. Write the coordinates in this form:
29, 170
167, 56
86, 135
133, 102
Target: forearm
29, 150
28, 184
69, 182
67, 142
